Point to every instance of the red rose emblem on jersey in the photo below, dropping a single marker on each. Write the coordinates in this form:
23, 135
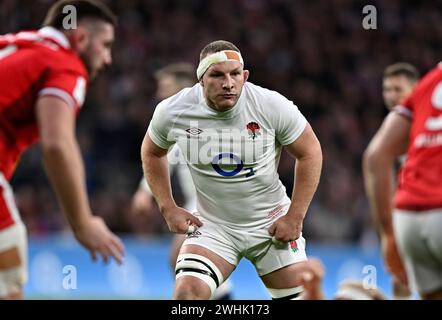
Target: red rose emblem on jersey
253, 129
294, 246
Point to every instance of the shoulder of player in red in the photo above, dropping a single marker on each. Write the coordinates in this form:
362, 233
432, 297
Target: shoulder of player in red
46, 61
34, 64
421, 93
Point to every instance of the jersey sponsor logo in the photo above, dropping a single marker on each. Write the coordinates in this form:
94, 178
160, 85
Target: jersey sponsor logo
253, 129
235, 161
80, 91
229, 151
193, 132
433, 123
194, 234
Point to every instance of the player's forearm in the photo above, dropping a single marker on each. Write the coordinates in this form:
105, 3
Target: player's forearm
307, 174
64, 167
156, 173
378, 170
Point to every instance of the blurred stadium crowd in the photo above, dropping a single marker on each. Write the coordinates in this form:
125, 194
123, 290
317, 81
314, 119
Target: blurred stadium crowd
314, 52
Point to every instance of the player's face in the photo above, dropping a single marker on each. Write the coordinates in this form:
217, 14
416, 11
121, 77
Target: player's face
222, 84
97, 54
395, 89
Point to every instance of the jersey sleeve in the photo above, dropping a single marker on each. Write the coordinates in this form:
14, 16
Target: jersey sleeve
406, 108
69, 84
160, 126
289, 122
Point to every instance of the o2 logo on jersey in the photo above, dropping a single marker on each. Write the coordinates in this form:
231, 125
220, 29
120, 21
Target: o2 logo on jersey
239, 165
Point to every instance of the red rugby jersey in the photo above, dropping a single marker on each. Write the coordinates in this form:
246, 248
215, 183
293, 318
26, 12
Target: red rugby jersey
420, 178
34, 64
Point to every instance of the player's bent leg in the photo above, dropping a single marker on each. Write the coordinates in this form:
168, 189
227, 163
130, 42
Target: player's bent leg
10, 275
284, 284
420, 244
278, 265
199, 272
13, 271
223, 292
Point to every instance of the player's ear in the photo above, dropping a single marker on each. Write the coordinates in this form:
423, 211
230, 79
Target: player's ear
246, 75
79, 38
201, 82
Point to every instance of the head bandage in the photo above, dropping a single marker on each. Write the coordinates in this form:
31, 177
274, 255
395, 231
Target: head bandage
217, 57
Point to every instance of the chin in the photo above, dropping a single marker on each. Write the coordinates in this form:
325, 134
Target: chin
225, 107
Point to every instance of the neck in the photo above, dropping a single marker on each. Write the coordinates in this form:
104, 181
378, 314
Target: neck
216, 107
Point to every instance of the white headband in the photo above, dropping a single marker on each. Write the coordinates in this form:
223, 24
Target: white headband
217, 57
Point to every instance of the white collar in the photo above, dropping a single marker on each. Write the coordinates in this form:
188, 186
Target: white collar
56, 35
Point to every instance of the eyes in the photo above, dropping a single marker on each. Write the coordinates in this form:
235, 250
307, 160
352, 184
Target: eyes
215, 74
108, 44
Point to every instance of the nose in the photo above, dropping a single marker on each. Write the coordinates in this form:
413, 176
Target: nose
228, 83
108, 58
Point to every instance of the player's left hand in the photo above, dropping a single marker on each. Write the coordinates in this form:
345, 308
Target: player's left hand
392, 259
287, 228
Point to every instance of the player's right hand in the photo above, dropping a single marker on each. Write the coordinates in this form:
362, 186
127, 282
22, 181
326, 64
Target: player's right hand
392, 259
178, 220
95, 236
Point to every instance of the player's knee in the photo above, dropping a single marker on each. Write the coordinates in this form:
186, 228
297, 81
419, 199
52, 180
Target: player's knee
191, 288
12, 274
286, 294
203, 276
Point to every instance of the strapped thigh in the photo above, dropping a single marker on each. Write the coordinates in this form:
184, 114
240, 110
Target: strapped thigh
198, 266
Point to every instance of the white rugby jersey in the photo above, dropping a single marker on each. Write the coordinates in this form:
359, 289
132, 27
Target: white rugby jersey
233, 155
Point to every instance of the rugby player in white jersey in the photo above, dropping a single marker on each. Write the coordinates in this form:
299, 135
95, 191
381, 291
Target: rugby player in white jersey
231, 133
170, 80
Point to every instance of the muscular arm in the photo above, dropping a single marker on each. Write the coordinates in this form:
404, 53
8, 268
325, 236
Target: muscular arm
65, 170
390, 141
156, 172
307, 152
62, 158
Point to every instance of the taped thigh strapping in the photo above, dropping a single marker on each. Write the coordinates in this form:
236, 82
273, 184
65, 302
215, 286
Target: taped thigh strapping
198, 266
11, 280
286, 294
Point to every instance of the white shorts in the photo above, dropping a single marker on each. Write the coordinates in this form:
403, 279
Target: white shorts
419, 239
12, 279
257, 246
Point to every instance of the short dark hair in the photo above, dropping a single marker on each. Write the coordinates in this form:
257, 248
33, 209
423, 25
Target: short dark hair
85, 9
217, 46
402, 69
183, 72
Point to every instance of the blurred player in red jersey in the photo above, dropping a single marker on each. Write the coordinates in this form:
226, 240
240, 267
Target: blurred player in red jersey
398, 82
413, 231
43, 79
